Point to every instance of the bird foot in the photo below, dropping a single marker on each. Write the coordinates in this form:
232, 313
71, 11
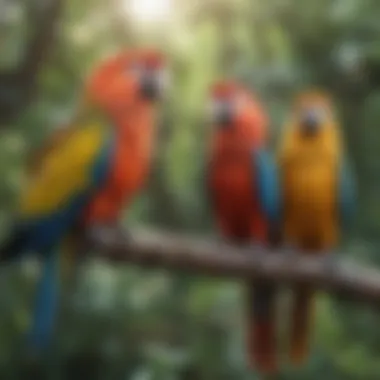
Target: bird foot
290, 252
222, 240
222, 243
107, 232
256, 247
331, 261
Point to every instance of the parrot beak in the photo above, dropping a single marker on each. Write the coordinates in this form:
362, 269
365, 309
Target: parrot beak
310, 122
154, 84
221, 113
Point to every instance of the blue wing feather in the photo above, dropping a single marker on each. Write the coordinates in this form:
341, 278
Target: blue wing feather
266, 181
347, 193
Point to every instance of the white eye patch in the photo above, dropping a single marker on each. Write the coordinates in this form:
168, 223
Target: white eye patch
163, 79
319, 113
232, 106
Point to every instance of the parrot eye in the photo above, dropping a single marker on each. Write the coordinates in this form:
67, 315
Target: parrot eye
136, 69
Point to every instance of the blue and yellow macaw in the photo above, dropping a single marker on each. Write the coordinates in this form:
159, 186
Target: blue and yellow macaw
86, 173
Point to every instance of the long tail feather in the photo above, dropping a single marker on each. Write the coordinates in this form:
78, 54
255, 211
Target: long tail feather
301, 319
46, 304
262, 327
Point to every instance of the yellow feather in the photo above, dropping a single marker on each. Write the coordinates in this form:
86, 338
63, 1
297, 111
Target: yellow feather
63, 172
309, 184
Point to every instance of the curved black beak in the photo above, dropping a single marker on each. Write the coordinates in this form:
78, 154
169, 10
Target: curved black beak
153, 85
223, 114
310, 122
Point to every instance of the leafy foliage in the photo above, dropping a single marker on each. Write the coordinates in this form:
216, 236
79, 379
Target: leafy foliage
125, 323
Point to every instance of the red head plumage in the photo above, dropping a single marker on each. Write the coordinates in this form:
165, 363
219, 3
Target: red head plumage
237, 113
129, 78
124, 87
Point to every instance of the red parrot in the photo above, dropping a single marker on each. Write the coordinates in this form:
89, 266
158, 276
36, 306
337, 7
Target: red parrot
87, 173
242, 186
133, 115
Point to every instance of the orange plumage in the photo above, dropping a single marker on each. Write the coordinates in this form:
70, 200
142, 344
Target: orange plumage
135, 136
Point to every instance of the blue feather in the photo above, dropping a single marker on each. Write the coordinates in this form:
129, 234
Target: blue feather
46, 303
347, 193
267, 184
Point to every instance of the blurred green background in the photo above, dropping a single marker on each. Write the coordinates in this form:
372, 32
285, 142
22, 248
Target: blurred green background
128, 323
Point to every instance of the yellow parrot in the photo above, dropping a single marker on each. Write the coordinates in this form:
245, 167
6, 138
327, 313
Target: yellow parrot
318, 195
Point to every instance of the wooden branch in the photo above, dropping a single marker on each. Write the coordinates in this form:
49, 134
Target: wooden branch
42, 39
17, 85
149, 249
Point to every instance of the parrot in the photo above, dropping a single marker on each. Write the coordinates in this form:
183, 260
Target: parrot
87, 172
243, 191
318, 198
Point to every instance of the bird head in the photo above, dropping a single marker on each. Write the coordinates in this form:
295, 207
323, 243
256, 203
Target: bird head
126, 80
313, 114
233, 110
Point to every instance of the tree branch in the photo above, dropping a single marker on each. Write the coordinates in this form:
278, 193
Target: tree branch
193, 255
42, 38
17, 85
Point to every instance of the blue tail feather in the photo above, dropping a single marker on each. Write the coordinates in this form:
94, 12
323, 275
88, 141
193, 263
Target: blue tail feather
46, 303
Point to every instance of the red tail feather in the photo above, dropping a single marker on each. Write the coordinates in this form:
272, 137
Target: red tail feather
262, 329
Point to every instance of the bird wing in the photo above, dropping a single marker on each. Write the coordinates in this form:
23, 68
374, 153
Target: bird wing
266, 182
61, 185
346, 193
71, 167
